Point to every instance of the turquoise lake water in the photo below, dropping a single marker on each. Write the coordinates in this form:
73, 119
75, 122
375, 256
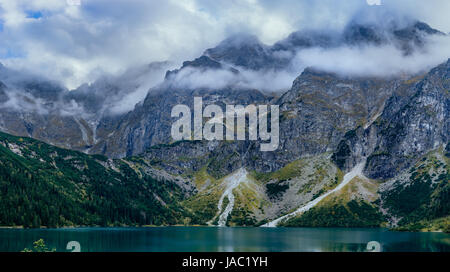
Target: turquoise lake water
205, 239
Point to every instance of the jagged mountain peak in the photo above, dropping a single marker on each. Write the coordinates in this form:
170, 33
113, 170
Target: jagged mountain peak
314, 71
240, 41
242, 50
203, 62
403, 34
305, 39
426, 28
356, 33
246, 51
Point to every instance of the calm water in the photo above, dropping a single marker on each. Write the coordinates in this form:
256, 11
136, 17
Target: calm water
223, 239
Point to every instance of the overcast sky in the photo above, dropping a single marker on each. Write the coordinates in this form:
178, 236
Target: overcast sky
76, 44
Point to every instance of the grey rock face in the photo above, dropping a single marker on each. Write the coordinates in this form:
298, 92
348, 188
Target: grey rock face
150, 123
414, 36
389, 122
316, 112
324, 105
420, 125
306, 39
415, 121
203, 63
314, 115
245, 51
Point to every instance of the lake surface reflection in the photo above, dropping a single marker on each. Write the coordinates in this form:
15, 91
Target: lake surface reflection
204, 239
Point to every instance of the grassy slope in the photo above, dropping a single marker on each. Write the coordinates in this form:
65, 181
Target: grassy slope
350, 207
419, 200
248, 200
204, 203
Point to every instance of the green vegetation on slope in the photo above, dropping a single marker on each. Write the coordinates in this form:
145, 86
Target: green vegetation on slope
42, 185
247, 202
350, 207
418, 200
204, 203
289, 171
355, 213
439, 224
316, 171
425, 197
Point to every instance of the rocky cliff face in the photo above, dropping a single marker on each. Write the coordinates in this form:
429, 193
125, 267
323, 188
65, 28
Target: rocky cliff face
149, 124
414, 121
102, 117
321, 107
246, 51
318, 110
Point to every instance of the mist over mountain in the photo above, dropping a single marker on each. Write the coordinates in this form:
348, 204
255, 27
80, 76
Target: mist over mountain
373, 44
363, 103
112, 95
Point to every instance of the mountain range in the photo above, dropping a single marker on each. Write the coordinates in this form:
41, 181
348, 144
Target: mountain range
357, 150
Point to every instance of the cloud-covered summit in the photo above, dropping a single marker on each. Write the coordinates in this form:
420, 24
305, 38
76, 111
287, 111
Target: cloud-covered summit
376, 45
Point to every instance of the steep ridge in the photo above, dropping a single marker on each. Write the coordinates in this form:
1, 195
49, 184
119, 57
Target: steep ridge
314, 115
415, 120
101, 117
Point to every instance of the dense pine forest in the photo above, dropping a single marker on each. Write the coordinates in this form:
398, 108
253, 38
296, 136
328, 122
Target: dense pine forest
42, 185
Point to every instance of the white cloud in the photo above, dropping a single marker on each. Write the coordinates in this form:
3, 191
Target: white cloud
381, 61
76, 44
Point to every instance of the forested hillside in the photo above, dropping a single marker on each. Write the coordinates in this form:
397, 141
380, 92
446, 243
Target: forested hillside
42, 185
